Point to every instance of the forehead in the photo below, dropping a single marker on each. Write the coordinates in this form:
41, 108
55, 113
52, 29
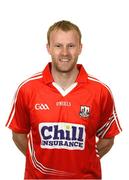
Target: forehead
64, 36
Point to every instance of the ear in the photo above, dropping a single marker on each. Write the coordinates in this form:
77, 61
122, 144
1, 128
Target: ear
80, 48
48, 48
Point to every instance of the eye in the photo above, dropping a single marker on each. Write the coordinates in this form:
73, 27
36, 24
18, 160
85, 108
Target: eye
71, 45
58, 45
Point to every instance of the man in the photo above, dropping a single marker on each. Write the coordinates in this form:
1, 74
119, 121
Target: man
58, 113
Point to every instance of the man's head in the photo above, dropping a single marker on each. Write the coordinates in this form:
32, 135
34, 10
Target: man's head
64, 26
64, 45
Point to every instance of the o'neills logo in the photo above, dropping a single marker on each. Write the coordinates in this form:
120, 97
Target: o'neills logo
62, 136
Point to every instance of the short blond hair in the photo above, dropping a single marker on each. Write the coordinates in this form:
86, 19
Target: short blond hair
64, 26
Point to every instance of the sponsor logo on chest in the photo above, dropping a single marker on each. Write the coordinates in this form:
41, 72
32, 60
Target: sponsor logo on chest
62, 136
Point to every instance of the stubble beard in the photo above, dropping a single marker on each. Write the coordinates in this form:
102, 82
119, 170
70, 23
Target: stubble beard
64, 70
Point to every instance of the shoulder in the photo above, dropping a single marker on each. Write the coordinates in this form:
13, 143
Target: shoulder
99, 85
31, 83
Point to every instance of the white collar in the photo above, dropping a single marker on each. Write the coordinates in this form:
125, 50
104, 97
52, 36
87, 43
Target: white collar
64, 92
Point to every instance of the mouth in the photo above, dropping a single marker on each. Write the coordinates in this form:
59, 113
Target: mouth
64, 59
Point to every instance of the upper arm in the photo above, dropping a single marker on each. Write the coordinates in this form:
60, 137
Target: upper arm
21, 141
19, 120
106, 142
19, 137
104, 145
109, 123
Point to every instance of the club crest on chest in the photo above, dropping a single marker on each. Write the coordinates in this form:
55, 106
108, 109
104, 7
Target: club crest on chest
84, 111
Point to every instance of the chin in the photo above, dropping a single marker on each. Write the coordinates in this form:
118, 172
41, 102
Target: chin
65, 70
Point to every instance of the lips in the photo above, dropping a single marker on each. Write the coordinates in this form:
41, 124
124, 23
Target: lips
64, 59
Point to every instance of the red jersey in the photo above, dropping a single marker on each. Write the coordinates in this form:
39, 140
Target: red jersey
63, 125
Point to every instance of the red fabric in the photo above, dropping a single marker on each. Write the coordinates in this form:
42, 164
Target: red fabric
72, 122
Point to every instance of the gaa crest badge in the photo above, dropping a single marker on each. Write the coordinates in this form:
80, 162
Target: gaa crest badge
84, 111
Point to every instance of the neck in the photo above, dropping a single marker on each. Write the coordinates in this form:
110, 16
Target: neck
65, 79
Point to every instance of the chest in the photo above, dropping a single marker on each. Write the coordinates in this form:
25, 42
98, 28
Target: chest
80, 106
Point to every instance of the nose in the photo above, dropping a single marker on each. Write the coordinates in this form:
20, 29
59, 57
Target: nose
64, 51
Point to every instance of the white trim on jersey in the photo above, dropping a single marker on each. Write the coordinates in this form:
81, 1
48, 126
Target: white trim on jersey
97, 152
64, 92
114, 112
105, 129
36, 76
106, 124
39, 166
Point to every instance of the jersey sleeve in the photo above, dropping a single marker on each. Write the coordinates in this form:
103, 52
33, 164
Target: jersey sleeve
109, 124
18, 119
